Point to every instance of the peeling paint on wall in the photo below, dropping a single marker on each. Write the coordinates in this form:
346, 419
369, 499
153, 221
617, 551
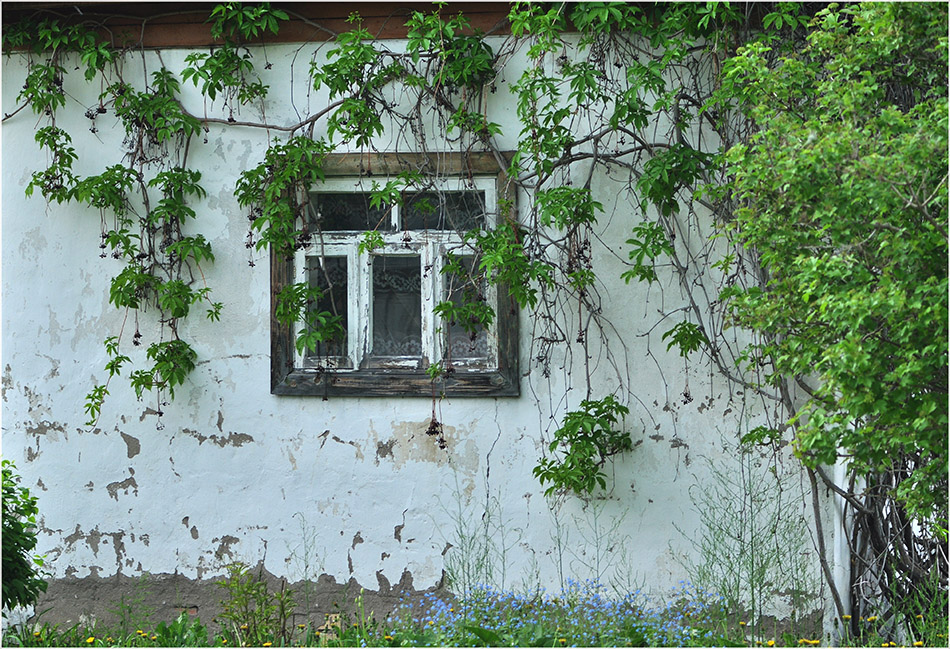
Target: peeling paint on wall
129, 483
132, 445
382, 502
233, 439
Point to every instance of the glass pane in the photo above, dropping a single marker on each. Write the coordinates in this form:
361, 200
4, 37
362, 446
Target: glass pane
334, 212
459, 211
397, 306
330, 277
463, 288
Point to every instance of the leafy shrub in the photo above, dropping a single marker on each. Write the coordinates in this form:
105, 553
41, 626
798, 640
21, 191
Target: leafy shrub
22, 583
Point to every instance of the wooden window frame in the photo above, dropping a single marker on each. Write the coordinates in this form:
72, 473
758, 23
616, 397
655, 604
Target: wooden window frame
288, 377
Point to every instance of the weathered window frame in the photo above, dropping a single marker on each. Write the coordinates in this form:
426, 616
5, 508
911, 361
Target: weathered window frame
288, 377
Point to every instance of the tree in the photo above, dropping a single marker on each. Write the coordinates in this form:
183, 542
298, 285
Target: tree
842, 194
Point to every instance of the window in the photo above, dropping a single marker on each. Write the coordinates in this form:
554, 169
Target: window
381, 270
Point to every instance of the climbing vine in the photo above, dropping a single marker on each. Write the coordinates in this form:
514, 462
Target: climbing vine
691, 109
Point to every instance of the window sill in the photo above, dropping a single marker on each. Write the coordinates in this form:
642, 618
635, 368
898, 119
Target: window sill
396, 383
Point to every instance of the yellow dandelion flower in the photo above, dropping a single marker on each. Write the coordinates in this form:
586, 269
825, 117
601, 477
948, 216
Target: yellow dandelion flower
802, 641
267, 644
919, 616
316, 634
770, 643
388, 638
741, 623
243, 627
562, 640
918, 644
154, 637
300, 626
872, 618
109, 639
845, 617
90, 639
36, 634
885, 645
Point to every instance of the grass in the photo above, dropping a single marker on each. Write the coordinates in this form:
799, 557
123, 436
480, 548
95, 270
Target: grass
580, 615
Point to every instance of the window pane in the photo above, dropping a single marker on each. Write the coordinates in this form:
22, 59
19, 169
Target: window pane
332, 212
459, 211
464, 288
397, 306
330, 277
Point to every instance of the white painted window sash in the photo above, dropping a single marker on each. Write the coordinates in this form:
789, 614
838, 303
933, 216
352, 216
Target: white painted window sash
430, 247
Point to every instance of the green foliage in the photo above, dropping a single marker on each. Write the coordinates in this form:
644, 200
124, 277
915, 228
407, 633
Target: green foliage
184, 631
109, 191
355, 72
648, 244
687, 336
601, 17
566, 207
844, 199
464, 59
544, 25
272, 188
251, 613
43, 88
132, 612
57, 181
130, 286
22, 583
239, 21
172, 360
504, 261
544, 134
349, 63
369, 241
176, 184
667, 172
296, 303
152, 117
581, 614
226, 70
582, 446
751, 546
472, 312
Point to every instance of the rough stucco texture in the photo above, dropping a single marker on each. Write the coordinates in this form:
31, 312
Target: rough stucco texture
350, 491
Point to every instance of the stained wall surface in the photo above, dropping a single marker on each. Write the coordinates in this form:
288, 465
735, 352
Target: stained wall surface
347, 490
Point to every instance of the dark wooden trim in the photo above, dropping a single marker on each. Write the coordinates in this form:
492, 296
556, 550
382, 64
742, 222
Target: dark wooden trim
397, 383
281, 336
501, 382
184, 24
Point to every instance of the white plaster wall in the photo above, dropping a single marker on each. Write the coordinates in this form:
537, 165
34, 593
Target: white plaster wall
353, 485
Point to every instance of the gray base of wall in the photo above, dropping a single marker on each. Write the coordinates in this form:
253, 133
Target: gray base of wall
153, 598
